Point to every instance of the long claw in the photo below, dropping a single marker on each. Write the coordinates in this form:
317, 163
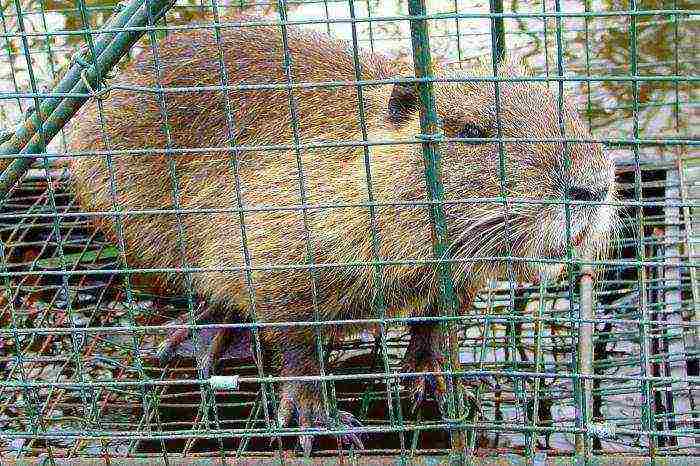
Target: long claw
425, 384
348, 419
441, 399
306, 442
463, 387
418, 394
168, 347
207, 366
355, 439
284, 415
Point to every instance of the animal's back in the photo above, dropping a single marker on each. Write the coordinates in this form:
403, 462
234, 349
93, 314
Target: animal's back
202, 174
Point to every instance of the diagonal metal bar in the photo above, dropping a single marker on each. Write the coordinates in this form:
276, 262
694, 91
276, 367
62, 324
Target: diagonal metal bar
45, 121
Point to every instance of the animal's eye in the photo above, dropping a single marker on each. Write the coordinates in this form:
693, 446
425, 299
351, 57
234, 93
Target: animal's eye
470, 131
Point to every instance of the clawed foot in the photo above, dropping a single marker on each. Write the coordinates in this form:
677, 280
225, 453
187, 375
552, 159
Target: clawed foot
212, 344
436, 384
302, 401
423, 385
423, 356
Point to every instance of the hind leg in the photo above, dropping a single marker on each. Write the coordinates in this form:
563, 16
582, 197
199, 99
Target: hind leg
170, 344
302, 400
212, 343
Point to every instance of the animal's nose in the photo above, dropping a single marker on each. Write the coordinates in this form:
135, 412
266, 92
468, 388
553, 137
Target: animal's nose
580, 193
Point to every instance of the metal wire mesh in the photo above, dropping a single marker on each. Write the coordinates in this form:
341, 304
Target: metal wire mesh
78, 350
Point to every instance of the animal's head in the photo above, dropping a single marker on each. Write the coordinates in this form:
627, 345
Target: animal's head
545, 156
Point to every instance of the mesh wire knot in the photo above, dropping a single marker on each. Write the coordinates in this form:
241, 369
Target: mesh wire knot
120, 6
102, 92
78, 57
85, 62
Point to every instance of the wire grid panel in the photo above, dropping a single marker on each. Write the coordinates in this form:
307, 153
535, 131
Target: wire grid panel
81, 333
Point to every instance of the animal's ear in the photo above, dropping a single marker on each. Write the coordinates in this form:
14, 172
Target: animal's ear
403, 102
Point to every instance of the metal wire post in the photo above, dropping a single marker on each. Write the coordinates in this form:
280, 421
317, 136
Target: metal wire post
431, 136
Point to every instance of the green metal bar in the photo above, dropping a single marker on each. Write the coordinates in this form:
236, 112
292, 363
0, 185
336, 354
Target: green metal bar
674, 192
293, 105
13, 70
536, 397
50, 55
233, 166
582, 441
393, 321
457, 33
120, 249
151, 17
545, 35
515, 299
499, 31
36, 131
431, 136
589, 100
41, 148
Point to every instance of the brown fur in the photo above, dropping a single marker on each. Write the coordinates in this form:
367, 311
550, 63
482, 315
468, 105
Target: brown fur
270, 178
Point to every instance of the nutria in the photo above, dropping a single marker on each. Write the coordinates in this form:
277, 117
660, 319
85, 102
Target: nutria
281, 238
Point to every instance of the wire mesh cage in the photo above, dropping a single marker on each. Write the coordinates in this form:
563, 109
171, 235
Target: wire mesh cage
598, 362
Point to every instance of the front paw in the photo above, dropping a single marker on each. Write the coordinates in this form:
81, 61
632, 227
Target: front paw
426, 384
